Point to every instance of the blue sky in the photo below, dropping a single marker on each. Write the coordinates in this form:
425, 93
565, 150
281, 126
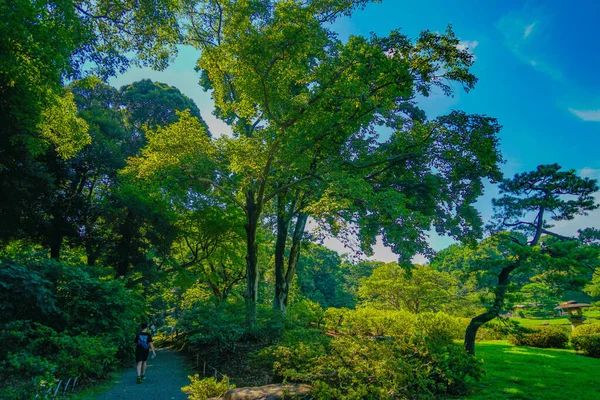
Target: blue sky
538, 65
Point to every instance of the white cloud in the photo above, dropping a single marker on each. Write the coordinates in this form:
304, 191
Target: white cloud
588, 172
528, 30
570, 228
587, 115
468, 45
518, 32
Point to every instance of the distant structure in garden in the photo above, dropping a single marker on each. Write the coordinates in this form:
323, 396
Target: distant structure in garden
574, 311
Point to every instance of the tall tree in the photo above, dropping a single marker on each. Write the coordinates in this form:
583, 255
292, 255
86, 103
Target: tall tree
43, 43
524, 236
296, 96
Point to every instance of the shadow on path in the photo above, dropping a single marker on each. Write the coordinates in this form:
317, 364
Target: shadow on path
165, 375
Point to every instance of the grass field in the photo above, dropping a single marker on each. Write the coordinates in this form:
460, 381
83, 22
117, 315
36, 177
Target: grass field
529, 373
591, 317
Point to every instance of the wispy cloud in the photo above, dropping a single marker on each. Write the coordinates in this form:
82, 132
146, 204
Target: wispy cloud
528, 30
587, 115
523, 33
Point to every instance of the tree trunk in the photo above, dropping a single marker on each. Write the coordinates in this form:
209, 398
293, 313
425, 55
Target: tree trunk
283, 225
91, 253
294, 254
55, 245
476, 322
124, 246
57, 229
251, 226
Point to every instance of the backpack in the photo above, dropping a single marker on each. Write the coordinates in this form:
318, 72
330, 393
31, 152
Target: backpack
143, 341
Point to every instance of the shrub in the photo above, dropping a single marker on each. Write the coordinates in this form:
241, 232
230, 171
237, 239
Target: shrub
305, 313
25, 376
371, 354
553, 337
439, 326
586, 338
353, 367
223, 326
202, 389
370, 322
68, 318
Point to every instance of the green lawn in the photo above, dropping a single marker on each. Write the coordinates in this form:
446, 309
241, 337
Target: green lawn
529, 373
591, 318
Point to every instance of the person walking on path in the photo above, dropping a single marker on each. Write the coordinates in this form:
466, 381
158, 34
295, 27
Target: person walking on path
143, 344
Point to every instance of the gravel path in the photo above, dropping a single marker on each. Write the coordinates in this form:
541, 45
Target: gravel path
165, 375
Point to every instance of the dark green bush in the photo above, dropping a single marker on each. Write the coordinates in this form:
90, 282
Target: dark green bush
554, 337
223, 326
70, 318
586, 338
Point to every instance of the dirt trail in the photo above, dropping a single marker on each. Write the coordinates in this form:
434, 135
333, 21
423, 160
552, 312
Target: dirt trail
165, 375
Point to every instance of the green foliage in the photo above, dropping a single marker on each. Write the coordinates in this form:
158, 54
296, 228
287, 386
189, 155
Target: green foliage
89, 357
369, 321
202, 389
305, 313
586, 338
323, 277
25, 375
63, 128
420, 289
222, 326
373, 357
552, 337
70, 320
153, 104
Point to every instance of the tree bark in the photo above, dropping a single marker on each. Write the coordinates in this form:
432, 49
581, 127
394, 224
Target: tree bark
283, 225
294, 254
124, 246
56, 231
476, 322
55, 245
252, 215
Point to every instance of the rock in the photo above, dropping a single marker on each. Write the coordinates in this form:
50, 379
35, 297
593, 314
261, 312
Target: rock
270, 392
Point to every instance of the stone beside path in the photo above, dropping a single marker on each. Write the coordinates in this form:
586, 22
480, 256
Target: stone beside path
165, 376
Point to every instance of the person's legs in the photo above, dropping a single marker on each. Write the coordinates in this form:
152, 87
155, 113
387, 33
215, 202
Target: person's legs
143, 369
139, 370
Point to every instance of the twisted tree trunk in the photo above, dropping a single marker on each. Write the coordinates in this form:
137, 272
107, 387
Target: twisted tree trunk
493, 312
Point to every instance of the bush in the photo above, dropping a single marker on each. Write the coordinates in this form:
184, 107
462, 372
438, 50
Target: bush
586, 338
370, 321
202, 389
554, 337
68, 318
439, 326
25, 376
223, 326
368, 356
305, 313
